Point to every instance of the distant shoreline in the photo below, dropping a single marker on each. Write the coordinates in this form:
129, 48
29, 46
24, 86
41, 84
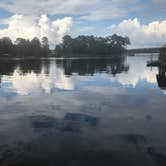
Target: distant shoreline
54, 57
143, 50
73, 57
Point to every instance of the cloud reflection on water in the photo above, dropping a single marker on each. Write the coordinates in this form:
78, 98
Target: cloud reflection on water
24, 84
69, 75
138, 72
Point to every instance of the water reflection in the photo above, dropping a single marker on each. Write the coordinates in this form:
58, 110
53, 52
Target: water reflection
31, 76
72, 122
81, 112
80, 66
92, 66
25, 77
7, 67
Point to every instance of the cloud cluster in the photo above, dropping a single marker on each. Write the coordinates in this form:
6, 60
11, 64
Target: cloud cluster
153, 34
89, 10
26, 27
28, 19
85, 9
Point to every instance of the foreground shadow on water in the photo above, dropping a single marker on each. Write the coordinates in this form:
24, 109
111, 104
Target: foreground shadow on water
75, 141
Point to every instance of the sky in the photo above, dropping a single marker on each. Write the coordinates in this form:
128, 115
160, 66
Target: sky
143, 21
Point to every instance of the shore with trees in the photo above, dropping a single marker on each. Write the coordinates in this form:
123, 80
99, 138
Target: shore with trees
24, 48
81, 46
91, 45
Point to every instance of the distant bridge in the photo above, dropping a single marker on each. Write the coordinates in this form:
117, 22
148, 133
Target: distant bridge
143, 50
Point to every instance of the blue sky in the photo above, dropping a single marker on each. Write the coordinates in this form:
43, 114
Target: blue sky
144, 21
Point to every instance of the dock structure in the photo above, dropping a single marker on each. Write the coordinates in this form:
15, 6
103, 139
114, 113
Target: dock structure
161, 60
153, 63
162, 56
161, 64
161, 77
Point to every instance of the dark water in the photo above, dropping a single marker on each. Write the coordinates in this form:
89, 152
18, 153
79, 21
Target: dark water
81, 112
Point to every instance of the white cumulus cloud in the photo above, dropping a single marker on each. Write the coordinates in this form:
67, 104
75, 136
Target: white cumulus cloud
27, 27
141, 35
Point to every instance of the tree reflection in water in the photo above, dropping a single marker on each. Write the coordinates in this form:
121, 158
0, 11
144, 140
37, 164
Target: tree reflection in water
68, 66
92, 66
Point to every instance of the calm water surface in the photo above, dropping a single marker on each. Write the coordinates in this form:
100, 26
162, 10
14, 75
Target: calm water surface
81, 112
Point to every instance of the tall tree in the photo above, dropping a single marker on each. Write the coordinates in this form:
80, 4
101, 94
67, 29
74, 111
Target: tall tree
21, 47
35, 47
45, 46
6, 45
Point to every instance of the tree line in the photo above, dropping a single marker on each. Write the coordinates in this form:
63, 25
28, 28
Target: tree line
92, 45
81, 45
24, 48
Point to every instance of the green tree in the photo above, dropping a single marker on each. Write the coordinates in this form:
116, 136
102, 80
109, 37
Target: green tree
92, 45
118, 42
6, 45
67, 43
35, 47
45, 46
21, 47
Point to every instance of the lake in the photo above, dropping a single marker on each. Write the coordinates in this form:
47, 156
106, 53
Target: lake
82, 112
